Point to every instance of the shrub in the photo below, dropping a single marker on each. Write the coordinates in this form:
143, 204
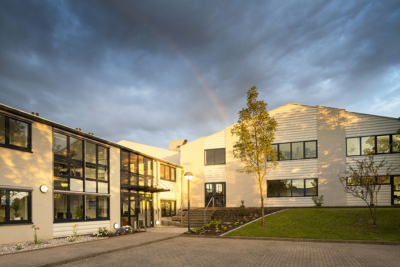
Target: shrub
103, 231
19, 246
36, 239
318, 201
120, 231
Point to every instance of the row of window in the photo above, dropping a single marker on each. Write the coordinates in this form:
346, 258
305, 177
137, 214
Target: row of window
368, 180
15, 206
292, 188
295, 150
15, 134
79, 208
168, 208
375, 144
80, 165
167, 173
136, 170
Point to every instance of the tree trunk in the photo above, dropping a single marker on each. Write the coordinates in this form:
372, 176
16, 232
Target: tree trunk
262, 203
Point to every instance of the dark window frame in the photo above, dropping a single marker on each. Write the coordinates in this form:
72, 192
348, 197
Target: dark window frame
137, 177
291, 150
213, 192
376, 143
7, 135
163, 211
390, 180
291, 192
170, 173
215, 156
7, 210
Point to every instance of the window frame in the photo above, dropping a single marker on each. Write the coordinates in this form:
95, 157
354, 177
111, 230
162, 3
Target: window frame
291, 150
171, 201
376, 144
135, 175
213, 194
389, 183
291, 183
7, 220
215, 156
7, 134
170, 173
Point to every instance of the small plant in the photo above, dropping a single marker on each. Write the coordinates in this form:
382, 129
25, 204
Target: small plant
236, 223
225, 228
242, 203
36, 240
75, 230
120, 231
242, 209
71, 238
241, 222
79, 212
19, 246
318, 201
217, 231
129, 229
103, 231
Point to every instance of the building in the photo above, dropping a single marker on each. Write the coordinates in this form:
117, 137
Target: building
55, 176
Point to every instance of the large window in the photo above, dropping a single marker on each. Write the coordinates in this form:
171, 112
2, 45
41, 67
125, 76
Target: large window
80, 166
136, 170
368, 180
374, 144
214, 156
15, 207
292, 188
216, 190
295, 150
167, 173
168, 208
15, 134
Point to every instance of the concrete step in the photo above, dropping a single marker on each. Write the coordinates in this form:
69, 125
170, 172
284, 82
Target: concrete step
170, 223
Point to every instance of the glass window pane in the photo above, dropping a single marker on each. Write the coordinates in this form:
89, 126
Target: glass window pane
103, 207
103, 187
90, 153
167, 208
76, 207
124, 177
2, 132
134, 179
125, 161
285, 188
272, 188
219, 189
210, 157
167, 173
353, 146
18, 133
209, 189
297, 188
220, 201
384, 180
353, 181
60, 183
76, 169
149, 166
383, 144
141, 181
60, 144
76, 148
133, 163
284, 151
76, 185
368, 180
60, 206
102, 173
368, 145
311, 149
2, 205
90, 186
173, 174
90, 171
297, 150
18, 206
103, 155
396, 143
141, 165
220, 156
173, 208
60, 167
274, 150
162, 171
311, 187
91, 204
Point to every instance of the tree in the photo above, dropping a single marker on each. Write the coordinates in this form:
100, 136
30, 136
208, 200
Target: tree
365, 180
256, 132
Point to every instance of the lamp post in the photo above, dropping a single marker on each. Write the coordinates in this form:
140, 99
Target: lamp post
188, 177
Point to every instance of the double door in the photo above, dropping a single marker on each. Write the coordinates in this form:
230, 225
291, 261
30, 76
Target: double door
137, 210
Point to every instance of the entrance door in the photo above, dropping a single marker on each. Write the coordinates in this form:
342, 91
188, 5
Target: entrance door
146, 211
396, 190
216, 190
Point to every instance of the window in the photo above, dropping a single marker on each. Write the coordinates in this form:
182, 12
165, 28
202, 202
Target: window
292, 188
368, 180
295, 150
214, 156
216, 190
136, 170
15, 207
15, 134
167, 173
366, 145
168, 208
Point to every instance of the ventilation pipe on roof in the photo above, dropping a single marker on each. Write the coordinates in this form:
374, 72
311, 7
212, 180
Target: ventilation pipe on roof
175, 145
35, 113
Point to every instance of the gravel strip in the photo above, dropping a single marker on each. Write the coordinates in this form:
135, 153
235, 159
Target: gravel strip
29, 245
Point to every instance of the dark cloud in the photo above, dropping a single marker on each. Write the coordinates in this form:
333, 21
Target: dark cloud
152, 71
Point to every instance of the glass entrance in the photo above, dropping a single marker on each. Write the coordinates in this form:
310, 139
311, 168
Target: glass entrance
216, 190
137, 209
396, 190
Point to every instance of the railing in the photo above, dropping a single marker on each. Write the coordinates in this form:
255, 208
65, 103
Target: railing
207, 207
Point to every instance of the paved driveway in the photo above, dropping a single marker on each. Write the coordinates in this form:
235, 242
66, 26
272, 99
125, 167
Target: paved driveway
191, 251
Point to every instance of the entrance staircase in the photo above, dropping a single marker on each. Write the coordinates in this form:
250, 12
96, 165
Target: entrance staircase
196, 218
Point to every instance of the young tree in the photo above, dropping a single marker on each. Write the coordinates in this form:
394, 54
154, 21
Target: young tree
255, 130
365, 180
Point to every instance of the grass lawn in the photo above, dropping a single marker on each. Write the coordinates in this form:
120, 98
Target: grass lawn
350, 224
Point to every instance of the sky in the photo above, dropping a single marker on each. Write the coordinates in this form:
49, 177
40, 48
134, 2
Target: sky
154, 71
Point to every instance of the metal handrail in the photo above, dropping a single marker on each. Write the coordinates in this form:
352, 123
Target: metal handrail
207, 207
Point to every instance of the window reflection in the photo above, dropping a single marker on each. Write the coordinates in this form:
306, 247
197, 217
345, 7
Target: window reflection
18, 133
2, 130
383, 145
368, 145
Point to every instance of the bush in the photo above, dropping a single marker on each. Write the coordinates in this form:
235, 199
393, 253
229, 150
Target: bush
120, 231
318, 201
103, 231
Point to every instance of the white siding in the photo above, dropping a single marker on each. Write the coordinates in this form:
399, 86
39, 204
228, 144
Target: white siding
216, 140
172, 186
363, 124
295, 123
290, 202
65, 229
393, 159
215, 173
384, 198
292, 169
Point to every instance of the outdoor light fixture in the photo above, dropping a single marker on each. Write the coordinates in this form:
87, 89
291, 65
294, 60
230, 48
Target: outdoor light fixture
115, 225
157, 222
188, 177
43, 188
